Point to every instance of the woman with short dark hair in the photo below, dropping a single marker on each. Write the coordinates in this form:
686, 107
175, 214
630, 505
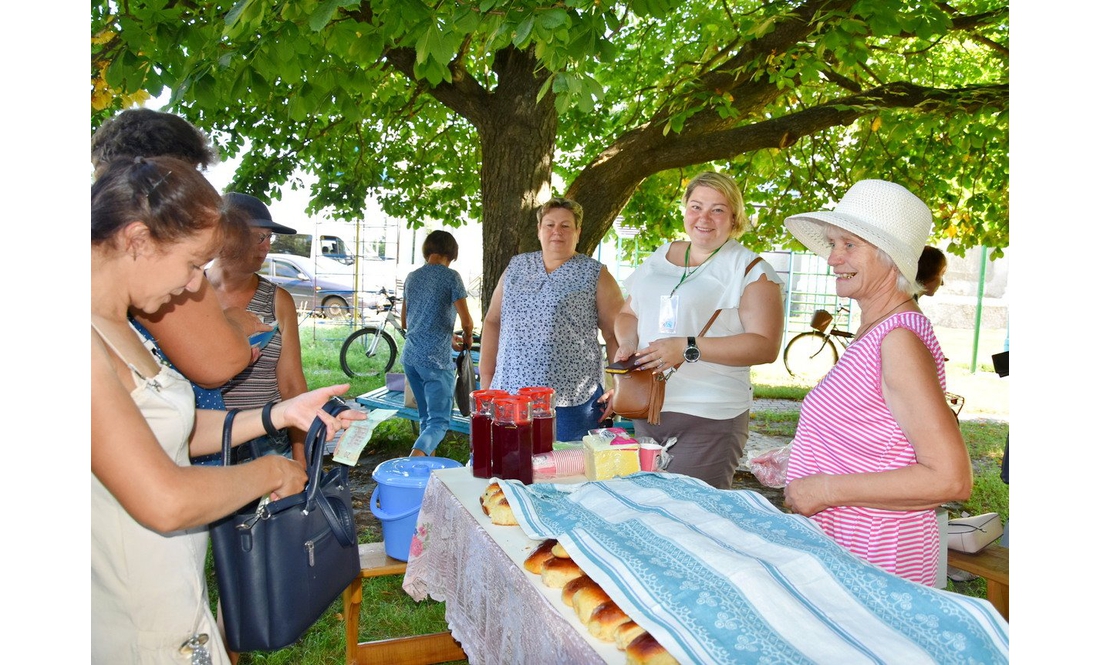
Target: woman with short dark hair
543, 323
930, 270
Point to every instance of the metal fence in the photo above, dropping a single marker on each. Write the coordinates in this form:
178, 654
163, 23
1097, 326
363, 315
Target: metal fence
808, 285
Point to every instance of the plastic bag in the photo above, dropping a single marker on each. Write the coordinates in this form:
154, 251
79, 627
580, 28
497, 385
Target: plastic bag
464, 382
770, 468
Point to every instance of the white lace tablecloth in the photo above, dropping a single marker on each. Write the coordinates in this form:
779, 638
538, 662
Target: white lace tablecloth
496, 610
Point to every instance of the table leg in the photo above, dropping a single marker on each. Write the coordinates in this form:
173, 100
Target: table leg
997, 594
353, 599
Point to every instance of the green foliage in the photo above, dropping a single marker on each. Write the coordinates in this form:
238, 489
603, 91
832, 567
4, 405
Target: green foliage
400, 99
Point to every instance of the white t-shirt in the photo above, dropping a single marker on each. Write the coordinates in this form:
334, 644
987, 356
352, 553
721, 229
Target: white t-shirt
700, 389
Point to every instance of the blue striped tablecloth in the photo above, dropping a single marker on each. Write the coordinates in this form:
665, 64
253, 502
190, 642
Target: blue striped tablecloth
721, 576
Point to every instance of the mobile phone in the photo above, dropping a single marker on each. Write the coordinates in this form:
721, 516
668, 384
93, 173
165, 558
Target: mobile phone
624, 366
259, 340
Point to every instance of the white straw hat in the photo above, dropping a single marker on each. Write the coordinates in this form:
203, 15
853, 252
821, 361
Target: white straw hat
883, 213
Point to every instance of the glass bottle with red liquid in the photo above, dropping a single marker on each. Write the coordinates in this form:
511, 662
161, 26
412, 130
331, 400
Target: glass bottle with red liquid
512, 437
481, 431
543, 418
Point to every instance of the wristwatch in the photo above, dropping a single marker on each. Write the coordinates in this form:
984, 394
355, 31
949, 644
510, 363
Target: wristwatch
691, 353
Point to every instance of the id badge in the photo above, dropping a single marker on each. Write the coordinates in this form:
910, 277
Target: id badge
666, 323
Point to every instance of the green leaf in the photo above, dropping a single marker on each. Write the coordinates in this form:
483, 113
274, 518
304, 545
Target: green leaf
235, 12
523, 31
553, 18
321, 16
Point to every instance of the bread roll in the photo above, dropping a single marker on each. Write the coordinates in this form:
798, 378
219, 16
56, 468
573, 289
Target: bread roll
541, 555
560, 552
493, 494
645, 650
605, 619
588, 599
625, 634
556, 573
501, 513
575, 585
490, 489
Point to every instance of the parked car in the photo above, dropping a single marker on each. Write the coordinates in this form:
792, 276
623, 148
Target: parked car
312, 293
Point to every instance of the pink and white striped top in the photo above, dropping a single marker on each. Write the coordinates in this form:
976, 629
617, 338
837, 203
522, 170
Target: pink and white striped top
846, 427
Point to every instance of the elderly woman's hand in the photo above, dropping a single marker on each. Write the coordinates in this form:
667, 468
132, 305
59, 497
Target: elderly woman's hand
808, 496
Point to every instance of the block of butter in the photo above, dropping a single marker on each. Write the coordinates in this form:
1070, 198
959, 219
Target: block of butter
603, 460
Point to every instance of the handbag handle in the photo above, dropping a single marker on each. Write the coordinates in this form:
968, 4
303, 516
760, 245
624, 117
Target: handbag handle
343, 527
315, 449
227, 436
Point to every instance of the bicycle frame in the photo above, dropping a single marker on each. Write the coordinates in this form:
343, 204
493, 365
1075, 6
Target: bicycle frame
391, 320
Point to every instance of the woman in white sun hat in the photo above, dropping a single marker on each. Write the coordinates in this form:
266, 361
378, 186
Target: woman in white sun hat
877, 449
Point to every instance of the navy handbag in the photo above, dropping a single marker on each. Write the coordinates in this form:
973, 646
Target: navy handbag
280, 565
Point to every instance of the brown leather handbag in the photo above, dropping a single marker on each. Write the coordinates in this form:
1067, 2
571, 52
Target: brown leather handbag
640, 393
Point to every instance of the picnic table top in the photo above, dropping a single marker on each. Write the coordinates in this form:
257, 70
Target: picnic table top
384, 398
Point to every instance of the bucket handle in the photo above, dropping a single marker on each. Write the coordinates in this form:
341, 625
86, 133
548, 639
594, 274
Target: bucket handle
383, 515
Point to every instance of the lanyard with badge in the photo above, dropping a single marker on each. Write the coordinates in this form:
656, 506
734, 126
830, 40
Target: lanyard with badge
670, 304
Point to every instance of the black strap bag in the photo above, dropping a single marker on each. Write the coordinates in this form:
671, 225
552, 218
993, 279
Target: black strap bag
465, 383
279, 566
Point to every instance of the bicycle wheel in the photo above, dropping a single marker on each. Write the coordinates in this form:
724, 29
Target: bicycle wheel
809, 356
368, 351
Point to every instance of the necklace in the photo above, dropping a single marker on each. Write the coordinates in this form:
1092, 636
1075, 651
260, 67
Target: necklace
879, 319
686, 274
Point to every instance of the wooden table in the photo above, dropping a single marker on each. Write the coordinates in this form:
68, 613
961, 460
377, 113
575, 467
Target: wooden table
992, 564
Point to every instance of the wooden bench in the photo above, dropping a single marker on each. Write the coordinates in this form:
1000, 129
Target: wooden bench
992, 564
413, 650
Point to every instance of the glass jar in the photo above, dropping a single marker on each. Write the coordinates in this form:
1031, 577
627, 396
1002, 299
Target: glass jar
543, 417
481, 431
512, 437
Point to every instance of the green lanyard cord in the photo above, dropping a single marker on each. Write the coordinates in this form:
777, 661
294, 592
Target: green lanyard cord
687, 254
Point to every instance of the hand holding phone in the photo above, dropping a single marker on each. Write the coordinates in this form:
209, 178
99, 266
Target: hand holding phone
624, 366
259, 340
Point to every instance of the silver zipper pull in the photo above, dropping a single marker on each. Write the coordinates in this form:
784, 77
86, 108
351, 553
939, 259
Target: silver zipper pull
196, 648
309, 549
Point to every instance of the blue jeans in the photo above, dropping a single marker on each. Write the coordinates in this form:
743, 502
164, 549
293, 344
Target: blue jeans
575, 421
434, 390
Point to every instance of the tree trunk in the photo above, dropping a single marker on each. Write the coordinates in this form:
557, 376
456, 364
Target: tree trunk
517, 153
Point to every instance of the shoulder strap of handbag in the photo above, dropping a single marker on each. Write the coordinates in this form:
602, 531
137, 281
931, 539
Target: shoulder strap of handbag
714, 316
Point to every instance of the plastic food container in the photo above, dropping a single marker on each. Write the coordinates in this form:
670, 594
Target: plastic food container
396, 499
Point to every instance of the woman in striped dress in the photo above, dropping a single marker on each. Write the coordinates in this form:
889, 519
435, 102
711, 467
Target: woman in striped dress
277, 374
877, 449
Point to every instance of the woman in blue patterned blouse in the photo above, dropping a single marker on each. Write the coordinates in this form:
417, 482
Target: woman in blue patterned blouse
544, 319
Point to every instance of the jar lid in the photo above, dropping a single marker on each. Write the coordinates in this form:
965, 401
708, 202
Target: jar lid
479, 399
542, 397
512, 409
410, 471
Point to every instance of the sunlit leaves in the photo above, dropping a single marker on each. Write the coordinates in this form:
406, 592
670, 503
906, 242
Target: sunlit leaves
313, 84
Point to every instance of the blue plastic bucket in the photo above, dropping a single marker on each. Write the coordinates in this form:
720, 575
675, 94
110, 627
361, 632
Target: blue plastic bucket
397, 497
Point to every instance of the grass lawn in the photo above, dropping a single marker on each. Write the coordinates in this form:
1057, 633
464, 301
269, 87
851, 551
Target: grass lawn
388, 612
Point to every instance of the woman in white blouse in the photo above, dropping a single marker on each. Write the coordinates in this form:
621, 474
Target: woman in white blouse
670, 299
